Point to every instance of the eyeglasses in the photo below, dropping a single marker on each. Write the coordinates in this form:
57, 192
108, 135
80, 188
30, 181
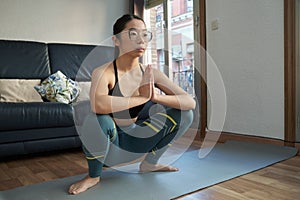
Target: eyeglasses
135, 34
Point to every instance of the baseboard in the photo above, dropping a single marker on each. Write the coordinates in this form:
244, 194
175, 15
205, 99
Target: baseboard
224, 136
297, 145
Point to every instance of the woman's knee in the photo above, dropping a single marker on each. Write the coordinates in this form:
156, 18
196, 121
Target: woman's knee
187, 116
108, 126
94, 121
105, 121
182, 117
94, 137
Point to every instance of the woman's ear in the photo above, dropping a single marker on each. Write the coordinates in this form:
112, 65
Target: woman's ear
115, 40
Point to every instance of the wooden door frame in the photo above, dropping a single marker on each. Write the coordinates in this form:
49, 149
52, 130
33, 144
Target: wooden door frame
203, 69
136, 7
290, 72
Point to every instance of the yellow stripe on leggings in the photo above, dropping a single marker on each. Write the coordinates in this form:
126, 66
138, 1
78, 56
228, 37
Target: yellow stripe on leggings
156, 124
153, 152
151, 126
112, 139
170, 118
93, 158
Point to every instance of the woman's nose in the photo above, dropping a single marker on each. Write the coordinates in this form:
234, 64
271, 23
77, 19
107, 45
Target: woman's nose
140, 39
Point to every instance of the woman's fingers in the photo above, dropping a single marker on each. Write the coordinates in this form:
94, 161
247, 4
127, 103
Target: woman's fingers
146, 85
149, 74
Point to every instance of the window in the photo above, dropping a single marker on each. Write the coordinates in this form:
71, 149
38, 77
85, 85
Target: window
172, 49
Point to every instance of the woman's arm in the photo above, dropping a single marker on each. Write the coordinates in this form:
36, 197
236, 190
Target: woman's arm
101, 102
174, 96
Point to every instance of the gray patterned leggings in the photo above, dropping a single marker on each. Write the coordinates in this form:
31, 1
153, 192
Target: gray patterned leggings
104, 143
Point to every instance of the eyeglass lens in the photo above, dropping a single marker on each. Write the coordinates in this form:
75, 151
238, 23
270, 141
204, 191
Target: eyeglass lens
145, 35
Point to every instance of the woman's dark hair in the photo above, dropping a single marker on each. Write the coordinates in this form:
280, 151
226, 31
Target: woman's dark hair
120, 24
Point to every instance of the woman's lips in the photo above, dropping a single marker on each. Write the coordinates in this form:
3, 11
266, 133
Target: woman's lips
140, 49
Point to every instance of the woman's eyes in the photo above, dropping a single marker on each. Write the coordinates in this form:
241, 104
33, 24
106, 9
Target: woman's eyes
136, 34
133, 33
145, 34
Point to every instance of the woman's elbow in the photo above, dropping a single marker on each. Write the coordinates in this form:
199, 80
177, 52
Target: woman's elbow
190, 104
99, 108
193, 104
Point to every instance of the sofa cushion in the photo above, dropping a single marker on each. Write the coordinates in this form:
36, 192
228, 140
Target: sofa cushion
58, 88
37, 146
78, 61
81, 110
19, 90
84, 94
37, 134
24, 60
68, 57
33, 115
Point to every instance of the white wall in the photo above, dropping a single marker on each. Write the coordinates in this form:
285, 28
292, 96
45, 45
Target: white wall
248, 48
67, 21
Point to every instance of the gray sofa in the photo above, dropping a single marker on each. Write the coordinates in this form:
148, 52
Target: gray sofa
34, 127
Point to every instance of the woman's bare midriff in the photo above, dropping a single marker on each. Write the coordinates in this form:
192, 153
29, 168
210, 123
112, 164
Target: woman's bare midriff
125, 122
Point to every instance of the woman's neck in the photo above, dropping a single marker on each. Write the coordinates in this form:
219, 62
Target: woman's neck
126, 63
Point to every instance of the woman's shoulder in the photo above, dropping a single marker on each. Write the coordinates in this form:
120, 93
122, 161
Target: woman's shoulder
105, 68
103, 71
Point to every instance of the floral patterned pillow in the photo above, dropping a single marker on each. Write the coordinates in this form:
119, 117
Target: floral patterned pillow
58, 88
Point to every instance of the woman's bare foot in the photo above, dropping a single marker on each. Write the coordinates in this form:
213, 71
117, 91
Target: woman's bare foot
83, 185
148, 167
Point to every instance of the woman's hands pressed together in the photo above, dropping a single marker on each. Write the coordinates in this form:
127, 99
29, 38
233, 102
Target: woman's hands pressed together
146, 88
172, 95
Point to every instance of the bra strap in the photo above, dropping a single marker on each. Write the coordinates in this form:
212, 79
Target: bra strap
116, 71
142, 69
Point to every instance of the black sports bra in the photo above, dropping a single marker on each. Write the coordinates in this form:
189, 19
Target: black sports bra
115, 91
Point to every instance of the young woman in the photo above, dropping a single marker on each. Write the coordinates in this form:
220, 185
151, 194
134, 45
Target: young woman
119, 91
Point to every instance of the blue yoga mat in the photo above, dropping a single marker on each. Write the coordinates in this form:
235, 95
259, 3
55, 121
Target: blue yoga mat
224, 162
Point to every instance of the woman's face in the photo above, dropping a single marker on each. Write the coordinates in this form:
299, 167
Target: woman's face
134, 38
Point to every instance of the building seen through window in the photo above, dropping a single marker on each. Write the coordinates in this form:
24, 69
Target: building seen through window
181, 38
